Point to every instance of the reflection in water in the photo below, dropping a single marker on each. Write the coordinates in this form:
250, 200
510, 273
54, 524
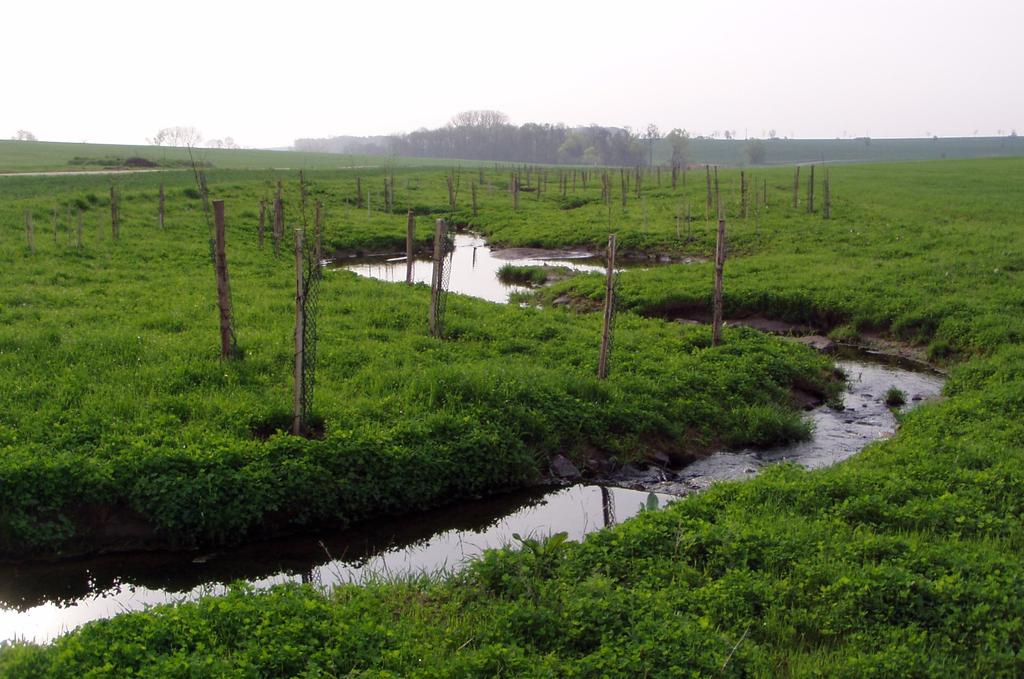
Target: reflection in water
473, 266
608, 506
41, 600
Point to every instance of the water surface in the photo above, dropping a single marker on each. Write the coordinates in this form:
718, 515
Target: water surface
39, 601
473, 267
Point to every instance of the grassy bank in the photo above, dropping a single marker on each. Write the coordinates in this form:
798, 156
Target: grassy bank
121, 428
899, 562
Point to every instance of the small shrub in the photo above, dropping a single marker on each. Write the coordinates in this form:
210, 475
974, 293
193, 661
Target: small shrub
522, 275
940, 350
895, 397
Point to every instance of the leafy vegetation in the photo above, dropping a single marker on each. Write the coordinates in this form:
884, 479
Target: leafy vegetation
902, 561
524, 275
895, 397
116, 408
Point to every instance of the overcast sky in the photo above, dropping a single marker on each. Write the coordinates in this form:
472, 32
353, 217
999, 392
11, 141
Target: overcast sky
267, 73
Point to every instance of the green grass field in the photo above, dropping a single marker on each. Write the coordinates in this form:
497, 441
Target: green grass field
39, 156
116, 400
902, 561
788, 151
22, 156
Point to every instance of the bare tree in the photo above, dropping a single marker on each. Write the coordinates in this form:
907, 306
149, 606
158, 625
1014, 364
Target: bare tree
651, 134
479, 118
24, 135
177, 136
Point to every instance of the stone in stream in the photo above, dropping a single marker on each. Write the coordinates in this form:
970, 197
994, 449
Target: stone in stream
818, 343
563, 468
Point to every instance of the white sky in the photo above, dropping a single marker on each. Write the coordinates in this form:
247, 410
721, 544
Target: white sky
266, 73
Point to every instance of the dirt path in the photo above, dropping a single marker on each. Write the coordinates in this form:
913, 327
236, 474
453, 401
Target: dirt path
62, 173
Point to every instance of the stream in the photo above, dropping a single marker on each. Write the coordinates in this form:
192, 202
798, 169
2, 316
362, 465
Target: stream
838, 433
41, 600
473, 266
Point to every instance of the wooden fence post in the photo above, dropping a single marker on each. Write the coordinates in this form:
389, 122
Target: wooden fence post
359, 192
80, 227
30, 232
410, 235
472, 190
263, 224
205, 191
115, 217
55, 241
810, 192
437, 279
707, 203
827, 197
300, 324
450, 180
318, 250
609, 311
160, 207
716, 317
278, 233
220, 265
796, 188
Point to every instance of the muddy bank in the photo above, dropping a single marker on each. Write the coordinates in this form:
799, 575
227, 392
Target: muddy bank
106, 531
840, 430
814, 333
627, 256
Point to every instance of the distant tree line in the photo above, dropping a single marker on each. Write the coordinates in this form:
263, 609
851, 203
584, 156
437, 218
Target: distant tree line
488, 135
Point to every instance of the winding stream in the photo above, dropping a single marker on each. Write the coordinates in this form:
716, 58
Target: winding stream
39, 601
838, 433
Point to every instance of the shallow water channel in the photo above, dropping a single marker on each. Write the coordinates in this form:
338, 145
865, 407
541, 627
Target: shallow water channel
39, 601
473, 266
838, 433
